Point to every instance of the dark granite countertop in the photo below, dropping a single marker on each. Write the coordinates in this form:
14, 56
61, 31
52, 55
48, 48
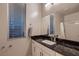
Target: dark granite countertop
63, 48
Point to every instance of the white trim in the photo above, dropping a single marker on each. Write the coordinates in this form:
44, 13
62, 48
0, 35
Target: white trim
7, 21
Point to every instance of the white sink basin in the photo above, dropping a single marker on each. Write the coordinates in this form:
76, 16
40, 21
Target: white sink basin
48, 42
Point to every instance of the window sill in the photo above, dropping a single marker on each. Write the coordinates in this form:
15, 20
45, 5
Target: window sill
18, 38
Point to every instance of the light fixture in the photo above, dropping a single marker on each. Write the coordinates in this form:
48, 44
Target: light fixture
76, 22
48, 5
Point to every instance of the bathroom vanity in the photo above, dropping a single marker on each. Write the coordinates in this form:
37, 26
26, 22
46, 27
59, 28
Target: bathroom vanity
66, 48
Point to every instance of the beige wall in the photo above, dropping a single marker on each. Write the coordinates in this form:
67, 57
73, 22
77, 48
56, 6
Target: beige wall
3, 16
20, 46
35, 19
45, 24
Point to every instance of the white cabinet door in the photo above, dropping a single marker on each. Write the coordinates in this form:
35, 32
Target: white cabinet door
33, 50
36, 50
45, 53
48, 52
58, 54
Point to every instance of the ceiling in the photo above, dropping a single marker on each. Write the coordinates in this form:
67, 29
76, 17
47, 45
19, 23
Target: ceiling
62, 8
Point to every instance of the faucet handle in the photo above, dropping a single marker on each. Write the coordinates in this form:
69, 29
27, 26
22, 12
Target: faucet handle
56, 36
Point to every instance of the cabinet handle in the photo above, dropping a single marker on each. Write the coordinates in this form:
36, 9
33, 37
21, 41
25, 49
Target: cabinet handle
34, 49
42, 54
10, 46
3, 47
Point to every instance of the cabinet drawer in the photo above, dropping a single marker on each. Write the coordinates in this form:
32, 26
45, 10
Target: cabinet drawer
48, 51
36, 44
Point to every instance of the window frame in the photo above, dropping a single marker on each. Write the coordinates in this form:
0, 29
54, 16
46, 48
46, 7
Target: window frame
9, 21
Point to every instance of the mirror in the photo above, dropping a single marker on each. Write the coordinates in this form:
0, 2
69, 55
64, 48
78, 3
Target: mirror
51, 25
71, 26
48, 25
62, 30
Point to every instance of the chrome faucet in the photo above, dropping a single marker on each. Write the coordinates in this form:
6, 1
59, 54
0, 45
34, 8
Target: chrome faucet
55, 36
51, 38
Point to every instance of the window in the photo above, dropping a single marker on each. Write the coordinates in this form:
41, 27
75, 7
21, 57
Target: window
52, 24
17, 20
